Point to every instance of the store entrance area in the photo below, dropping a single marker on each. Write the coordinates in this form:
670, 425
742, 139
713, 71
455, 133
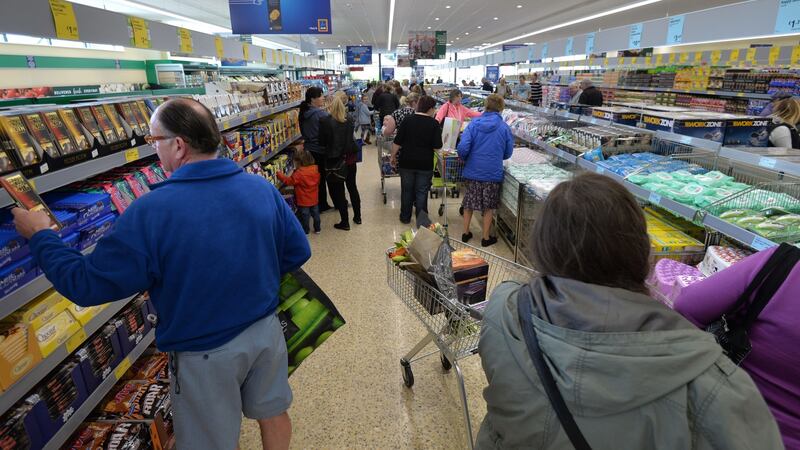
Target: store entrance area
350, 394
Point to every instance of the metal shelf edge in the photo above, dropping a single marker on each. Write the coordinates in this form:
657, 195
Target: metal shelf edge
246, 117
95, 397
765, 161
19, 389
746, 237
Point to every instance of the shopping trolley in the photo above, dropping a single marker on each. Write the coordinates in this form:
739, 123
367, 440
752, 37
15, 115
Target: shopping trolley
451, 175
384, 153
452, 326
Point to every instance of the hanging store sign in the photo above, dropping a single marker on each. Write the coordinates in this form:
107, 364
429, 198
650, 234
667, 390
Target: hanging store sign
544, 50
788, 18
493, 73
220, 47
387, 73
507, 47
675, 29
359, 55
635, 36
441, 44
427, 44
139, 32
590, 43
280, 16
185, 42
569, 46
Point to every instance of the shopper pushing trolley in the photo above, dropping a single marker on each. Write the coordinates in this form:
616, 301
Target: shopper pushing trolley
210, 245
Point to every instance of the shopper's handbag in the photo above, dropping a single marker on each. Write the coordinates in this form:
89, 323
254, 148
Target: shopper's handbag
307, 315
732, 328
524, 309
336, 172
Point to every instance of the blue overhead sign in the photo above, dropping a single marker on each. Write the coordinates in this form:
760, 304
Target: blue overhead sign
512, 46
675, 29
358, 55
387, 73
493, 73
635, 37
589, 43
280, 16
788, 19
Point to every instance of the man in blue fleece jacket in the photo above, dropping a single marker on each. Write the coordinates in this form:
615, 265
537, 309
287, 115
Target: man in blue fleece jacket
210, 245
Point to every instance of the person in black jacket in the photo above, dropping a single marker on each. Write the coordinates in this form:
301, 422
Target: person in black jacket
386, 103
486, 85
312, 112
336, 134
591, 95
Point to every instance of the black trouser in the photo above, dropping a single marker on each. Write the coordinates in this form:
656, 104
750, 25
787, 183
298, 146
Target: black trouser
352, 190
339, 200
319, 158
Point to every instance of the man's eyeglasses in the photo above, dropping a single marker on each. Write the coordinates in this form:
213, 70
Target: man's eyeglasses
151, 139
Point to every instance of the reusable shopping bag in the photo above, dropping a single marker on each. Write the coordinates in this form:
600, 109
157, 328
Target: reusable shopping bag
307, 315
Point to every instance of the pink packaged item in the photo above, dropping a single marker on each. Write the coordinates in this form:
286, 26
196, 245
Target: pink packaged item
681, 282
665, 273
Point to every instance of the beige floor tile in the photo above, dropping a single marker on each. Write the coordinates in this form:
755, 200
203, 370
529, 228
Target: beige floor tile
350, 394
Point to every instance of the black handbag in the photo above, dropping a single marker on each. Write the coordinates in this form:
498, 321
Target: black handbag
524, 309
732, 328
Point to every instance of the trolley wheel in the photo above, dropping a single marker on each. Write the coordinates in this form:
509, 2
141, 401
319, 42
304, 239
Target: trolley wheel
384, 199
408, 375
460, 210
446, 365
441, 210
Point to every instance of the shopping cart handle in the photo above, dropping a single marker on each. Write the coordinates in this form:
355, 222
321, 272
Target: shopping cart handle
475, 313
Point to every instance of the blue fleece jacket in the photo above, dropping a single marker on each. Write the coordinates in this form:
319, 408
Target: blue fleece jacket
210, 245
484, 145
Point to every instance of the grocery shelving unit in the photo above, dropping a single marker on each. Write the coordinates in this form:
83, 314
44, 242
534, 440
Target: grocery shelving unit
94, 399
250, 116
766, 161
259, 155
21, 388
28, 292
749, 95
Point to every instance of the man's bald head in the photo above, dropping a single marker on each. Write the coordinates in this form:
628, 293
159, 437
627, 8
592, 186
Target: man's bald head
191, 121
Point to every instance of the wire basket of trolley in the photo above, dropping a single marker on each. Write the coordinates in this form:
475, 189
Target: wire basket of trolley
446, 283
384, 144
448, 178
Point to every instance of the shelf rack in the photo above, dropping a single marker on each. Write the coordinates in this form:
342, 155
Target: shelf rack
21, 388
720, 93
260, 153
250, 116
94, 399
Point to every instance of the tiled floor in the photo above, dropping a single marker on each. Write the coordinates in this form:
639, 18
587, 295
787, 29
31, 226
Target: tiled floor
350, 394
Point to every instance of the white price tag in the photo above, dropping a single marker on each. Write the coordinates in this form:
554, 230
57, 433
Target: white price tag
654, 198
133, 142
759, 243
45, 168
686, 139
95, 153
769, 163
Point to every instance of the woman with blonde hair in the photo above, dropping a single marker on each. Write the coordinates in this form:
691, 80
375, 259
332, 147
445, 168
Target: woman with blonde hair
783, 129
336, 135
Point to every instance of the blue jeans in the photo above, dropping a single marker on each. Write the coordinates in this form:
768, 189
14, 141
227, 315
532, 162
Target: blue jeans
414, 188
305, 212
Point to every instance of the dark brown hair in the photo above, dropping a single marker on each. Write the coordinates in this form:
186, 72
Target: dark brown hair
425, 103
303, 158
591, 229
455, 93
191, 121
494, 103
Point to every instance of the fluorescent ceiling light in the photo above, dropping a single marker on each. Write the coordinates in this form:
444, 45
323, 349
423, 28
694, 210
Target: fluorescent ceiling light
480, 26
447, 7
391, 24
261, 42
530, 43
435, 18
495, 18
519, 6
193, 24
577, 21
429, 28
467, 33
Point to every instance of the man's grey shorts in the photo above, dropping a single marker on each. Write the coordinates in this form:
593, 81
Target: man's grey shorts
211, 389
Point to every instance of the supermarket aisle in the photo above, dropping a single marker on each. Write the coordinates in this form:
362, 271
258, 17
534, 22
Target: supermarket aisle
350, 394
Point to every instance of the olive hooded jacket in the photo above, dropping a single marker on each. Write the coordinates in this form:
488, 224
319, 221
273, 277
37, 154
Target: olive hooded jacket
633, 373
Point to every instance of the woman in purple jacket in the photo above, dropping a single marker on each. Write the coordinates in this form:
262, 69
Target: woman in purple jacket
484, 145
774, 362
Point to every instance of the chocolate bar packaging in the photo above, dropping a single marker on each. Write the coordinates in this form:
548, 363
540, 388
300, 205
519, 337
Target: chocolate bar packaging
87, 206
91, 233
116, 121
138, 399
111, 435
56, 331
6, 163
13, 247
56, 398
74, 129
25, 196
126, 112
19, 140
19, 352
60, 132
41, 134
88, 121
106, 127
17, 275
99, 355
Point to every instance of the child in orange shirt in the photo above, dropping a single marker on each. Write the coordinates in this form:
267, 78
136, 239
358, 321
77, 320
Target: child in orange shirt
305, 179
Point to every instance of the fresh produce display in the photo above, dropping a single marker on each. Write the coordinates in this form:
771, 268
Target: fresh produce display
776, 224
307, 315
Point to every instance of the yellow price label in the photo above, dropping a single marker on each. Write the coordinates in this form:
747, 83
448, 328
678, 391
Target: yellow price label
698, 57
246, 51
648, 61
263, 56
139, 32
684, 58
591, 61
795, 55
76, 340
220, 47
751, 55
634, 60
605, 62
621, 61
740, 94
275, 57
774, 54
123, 367
716, 56
659, 60
734, 56
64, 20
226, 125
185, 40
131, 155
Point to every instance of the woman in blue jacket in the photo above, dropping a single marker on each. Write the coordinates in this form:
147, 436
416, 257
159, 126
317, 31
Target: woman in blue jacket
485, 143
